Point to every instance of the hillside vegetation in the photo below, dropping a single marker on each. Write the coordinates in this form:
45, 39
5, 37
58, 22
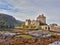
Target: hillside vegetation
8, 21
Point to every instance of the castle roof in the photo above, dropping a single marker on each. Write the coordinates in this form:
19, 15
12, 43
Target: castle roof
41, 16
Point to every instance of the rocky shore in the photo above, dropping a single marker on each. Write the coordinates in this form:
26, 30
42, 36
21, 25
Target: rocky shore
30, 41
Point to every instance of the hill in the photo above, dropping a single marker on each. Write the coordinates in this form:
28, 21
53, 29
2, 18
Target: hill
8, 21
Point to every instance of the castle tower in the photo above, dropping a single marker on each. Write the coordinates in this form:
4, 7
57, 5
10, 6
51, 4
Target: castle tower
41, 19
27, 22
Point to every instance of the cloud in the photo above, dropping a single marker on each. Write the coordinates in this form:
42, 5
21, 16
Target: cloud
4, 5
22, 9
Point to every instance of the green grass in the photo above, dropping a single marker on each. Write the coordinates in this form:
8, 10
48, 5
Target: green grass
24, 36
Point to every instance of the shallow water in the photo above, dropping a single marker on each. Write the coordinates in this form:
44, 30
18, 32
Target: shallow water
55, 43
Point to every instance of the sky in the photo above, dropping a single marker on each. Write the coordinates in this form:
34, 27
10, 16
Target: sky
30, 9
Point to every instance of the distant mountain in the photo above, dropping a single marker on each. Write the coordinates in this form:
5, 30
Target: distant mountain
8, 21
19, 22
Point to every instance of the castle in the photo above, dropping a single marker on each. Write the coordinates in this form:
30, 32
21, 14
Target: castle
40, 20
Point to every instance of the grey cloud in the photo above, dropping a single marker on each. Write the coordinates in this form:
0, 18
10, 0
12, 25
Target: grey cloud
30, 8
